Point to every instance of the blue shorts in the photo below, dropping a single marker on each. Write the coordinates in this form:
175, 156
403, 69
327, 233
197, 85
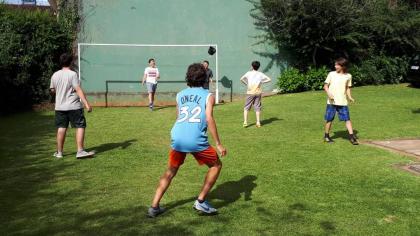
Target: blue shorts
343, 113
151, 87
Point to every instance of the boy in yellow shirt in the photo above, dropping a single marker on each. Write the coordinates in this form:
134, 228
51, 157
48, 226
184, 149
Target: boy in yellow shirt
337, 86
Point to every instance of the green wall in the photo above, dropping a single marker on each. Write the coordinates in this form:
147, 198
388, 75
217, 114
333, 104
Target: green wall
226, 23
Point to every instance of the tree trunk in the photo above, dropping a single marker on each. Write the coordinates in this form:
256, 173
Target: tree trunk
314, 56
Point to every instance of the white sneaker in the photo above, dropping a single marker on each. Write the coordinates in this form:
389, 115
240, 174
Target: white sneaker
204, 207
58, 155
84, 154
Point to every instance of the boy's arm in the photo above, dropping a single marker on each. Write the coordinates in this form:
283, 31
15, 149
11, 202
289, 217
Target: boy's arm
82, 97
326, 89
211, 77
244, 80
158, 74
144, 79
266, 79
348, 93
52, 88
211, 124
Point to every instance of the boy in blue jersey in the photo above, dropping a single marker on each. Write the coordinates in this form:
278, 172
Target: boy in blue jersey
189, 135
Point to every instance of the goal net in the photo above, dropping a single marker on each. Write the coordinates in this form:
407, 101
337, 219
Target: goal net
111, 74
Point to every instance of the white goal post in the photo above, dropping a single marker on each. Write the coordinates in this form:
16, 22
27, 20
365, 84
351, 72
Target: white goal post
79, 45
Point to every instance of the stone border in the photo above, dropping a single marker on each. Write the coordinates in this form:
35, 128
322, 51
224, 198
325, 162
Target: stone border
406, 167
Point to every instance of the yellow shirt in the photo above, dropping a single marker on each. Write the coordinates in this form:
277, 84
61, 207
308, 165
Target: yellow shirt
337, 85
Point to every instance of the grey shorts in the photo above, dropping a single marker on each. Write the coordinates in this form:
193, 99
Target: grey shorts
253, 100
151, 87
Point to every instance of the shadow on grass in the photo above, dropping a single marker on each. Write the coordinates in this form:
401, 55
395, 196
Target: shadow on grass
227, 193
328, 226
270, 120
416, 86
163, 107
295, 212
231, 191
416, 111
110, 146
124, 221
344, 134
264, 122
26, 167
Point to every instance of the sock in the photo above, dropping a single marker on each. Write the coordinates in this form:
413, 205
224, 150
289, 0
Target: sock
200, 201
326, 135
156, 208
351, 136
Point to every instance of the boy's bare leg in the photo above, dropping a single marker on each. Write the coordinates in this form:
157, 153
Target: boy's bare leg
211, 177
80, 138
150, 98
349, 127
164, 183
245, 116
61, 137
258, 115
328, 125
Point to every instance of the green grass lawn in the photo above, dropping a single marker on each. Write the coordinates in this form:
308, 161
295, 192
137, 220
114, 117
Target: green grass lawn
280, 179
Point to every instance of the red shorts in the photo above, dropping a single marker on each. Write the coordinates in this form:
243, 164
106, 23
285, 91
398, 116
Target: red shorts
208, 157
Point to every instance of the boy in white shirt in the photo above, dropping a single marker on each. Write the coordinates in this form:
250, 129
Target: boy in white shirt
254, 79
150, 77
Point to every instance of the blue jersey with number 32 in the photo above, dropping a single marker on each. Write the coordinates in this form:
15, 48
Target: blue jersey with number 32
189, 133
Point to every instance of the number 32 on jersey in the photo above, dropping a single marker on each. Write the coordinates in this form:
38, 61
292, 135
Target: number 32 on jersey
193, 115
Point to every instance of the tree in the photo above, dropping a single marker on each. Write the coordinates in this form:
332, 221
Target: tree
317, 31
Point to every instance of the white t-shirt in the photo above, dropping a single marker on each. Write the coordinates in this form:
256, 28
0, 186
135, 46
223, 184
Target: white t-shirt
152, 73
254, 81
337, 85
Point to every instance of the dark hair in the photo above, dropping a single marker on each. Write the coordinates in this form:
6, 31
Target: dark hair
66, 59
151, 59
343, 62
206, 62
255, 65
196, 75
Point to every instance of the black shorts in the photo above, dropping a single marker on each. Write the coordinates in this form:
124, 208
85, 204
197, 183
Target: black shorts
75, 117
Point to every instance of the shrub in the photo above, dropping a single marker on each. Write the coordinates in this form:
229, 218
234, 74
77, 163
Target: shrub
315, 78
32, 41
291, 81
380, 70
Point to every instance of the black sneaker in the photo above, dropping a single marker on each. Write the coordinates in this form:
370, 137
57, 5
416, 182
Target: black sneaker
354, 141
152, 212
327, 139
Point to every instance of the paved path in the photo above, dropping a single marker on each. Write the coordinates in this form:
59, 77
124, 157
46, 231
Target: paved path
409, 147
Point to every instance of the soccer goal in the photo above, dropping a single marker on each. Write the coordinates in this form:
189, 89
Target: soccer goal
114, 71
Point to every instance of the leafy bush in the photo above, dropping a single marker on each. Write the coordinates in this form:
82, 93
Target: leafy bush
291, 81
315, 78
32, 41
376, 70
380, 70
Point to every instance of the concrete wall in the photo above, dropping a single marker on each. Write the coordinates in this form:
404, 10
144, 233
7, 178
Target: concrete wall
226, 23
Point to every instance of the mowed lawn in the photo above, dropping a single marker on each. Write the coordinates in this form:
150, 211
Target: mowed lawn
280, 179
